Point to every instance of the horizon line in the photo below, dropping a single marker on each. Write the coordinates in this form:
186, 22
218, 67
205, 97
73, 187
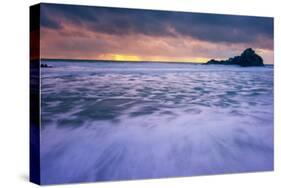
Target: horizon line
121, 61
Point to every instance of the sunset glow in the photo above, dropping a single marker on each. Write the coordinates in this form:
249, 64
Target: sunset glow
119, 57
99, 33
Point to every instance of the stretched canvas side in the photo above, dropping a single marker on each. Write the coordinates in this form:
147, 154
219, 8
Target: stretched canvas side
34, 163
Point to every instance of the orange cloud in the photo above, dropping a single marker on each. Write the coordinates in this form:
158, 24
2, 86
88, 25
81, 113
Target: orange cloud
77, 43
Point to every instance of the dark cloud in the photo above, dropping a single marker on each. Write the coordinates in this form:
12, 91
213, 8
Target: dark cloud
206, 27
47, 20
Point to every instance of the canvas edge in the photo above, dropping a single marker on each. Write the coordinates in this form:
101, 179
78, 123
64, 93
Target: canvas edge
34, 94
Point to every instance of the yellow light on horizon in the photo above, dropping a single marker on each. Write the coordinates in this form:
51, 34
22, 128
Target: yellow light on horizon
119, 57
199, 60
180, 59
125, 57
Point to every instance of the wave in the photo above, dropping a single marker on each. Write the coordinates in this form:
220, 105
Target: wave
101, 124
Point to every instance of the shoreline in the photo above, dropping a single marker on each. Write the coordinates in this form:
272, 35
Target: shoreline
114, 61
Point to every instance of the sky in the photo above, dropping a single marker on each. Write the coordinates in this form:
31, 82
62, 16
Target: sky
101, 33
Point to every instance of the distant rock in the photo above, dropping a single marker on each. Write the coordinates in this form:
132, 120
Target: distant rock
247, 59
45, 66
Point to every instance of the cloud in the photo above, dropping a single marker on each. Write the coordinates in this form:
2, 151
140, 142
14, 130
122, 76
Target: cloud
93, 45
47, 21
91, 32
116, 21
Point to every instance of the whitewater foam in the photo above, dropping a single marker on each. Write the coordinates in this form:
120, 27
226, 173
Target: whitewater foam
108, 121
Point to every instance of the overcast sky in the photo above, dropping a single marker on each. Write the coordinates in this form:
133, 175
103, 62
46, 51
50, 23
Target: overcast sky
85, 32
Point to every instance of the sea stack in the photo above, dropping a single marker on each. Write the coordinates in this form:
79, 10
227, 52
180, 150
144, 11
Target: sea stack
45, 66
248, 58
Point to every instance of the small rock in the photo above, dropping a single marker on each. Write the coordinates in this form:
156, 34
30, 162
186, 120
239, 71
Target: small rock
45, 66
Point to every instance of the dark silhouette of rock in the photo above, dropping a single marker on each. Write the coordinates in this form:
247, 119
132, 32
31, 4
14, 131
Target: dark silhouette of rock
45, 66
248, 58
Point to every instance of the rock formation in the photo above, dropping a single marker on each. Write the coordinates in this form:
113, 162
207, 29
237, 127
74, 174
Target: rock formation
45, 66
247, 59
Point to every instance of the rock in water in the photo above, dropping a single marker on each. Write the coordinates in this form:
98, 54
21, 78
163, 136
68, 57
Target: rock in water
247, 59
250, 58
45, 66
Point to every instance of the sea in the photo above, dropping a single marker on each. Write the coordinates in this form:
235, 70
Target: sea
108, 121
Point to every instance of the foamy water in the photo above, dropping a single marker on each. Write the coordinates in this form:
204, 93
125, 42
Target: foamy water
111, 121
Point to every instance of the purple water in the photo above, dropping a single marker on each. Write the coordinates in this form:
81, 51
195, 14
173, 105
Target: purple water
117, 121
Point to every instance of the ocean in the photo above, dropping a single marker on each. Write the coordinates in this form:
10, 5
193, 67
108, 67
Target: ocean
106, 121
